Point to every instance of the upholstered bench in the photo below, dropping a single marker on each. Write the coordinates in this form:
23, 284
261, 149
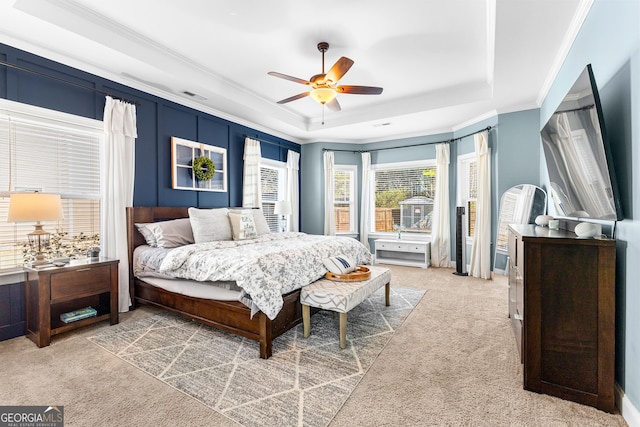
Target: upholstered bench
341, 297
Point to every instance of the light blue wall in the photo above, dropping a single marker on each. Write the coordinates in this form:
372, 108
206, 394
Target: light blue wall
610, 40
514, 137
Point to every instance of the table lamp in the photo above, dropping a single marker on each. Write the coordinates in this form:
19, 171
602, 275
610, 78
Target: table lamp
282, 208
29, 207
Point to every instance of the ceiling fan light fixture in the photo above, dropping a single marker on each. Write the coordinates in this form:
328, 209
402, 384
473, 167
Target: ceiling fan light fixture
323, 95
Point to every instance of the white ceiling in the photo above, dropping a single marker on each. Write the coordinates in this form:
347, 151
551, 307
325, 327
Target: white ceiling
443, 64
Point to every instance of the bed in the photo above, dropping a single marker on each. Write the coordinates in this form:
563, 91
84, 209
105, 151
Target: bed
232, 316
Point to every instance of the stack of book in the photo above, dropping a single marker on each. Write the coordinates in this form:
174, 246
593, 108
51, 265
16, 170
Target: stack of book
74, 315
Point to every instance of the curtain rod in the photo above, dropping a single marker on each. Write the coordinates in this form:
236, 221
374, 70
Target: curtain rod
279, 144
448, 141
38, 73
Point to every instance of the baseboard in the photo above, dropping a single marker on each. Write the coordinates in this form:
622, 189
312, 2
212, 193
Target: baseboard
629, 412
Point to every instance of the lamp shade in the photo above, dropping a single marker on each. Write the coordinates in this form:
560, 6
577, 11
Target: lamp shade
282, 208
323, 94
28, 207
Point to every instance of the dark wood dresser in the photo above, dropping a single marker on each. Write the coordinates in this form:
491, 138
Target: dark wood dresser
562, 309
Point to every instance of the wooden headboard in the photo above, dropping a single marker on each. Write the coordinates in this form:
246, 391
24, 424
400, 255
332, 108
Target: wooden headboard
137, 215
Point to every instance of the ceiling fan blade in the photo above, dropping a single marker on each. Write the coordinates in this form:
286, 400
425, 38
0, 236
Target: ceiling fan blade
294, 97
333, 105
360, 90
339, 69
286, 77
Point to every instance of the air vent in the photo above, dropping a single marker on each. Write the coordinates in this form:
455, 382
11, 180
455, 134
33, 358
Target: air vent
194, 95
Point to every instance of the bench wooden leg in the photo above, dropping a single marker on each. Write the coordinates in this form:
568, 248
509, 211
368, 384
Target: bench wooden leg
387, 289
306, 320
343, 330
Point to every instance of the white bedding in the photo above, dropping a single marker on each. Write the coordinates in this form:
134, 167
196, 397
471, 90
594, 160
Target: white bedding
192, 288
265, 268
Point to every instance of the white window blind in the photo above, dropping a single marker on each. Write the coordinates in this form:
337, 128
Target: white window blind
344, 195
273, 186
50, 152
404, 194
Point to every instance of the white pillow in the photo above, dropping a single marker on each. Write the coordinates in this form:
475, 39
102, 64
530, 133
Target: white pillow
242, 225
339, 264
210, 225
262, 227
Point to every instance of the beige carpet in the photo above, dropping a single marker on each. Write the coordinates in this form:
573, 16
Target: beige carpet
305, 382
453, 362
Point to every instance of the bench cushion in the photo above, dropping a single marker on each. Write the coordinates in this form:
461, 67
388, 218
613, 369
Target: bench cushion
343, 296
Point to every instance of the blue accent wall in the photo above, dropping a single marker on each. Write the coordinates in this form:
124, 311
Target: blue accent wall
609, 39
12, 311
158, 120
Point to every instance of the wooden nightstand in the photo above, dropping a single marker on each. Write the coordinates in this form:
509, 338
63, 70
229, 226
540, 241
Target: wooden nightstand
56, 290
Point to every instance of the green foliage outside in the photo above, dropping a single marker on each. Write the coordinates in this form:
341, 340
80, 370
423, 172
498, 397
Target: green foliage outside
391, 198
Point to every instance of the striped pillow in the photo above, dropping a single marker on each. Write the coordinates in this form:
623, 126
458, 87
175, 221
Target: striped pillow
339, 264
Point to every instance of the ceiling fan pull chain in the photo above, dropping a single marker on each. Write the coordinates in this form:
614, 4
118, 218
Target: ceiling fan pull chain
322, 114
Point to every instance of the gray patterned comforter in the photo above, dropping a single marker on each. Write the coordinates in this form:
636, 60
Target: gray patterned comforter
265, 268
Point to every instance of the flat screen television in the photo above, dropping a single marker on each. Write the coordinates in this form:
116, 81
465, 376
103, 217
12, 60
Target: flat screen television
578, 157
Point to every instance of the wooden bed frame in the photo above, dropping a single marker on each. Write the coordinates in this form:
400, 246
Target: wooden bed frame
229, 316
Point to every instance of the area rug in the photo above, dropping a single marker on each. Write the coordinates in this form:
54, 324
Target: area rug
305, 382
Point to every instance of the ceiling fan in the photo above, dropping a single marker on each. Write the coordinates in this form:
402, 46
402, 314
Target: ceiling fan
324, 89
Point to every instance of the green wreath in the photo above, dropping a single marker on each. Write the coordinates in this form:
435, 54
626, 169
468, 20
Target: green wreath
203, 168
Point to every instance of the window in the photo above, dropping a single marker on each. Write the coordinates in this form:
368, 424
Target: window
404, 194
273, 187
183, 157
468, 189
344, 198
51, 152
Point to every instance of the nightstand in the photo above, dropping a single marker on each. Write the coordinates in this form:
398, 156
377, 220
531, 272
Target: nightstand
51, 291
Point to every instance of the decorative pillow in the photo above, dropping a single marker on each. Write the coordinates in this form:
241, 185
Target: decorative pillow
147, 234
339, 264
262, 227
173, 233
242, 225
210, 225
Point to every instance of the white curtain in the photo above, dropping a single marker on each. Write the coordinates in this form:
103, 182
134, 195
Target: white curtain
365, 202
251, 194
117, 176
481, 248
440, 226
329, 217
293, 186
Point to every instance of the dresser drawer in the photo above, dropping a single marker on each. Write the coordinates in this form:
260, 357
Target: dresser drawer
383, 245
412, 247
401, 247
78, 283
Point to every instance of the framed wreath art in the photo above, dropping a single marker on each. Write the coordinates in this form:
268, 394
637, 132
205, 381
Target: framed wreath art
197, 166
203, 168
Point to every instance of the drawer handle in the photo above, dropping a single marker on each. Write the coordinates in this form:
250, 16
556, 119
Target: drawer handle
84, 269
517, 316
